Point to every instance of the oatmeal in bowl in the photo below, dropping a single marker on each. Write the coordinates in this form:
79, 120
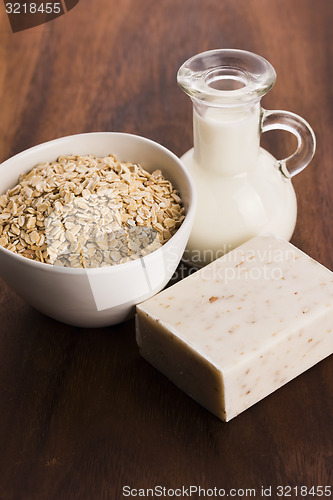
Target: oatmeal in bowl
92, 224
85, 211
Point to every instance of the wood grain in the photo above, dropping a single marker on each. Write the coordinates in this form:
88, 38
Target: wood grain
81, 414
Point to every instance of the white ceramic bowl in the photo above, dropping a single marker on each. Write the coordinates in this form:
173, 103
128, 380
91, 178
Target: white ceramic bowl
108, 295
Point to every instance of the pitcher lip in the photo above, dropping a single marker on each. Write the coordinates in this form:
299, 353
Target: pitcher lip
226, 77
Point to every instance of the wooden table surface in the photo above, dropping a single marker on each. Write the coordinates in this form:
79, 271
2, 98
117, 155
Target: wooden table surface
81, 414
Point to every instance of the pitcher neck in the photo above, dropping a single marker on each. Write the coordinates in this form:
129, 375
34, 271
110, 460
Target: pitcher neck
226, 139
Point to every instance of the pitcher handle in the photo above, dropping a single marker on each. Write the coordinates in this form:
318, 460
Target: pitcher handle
306, 140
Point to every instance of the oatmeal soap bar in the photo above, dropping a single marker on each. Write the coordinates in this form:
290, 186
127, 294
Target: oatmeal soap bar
241, 327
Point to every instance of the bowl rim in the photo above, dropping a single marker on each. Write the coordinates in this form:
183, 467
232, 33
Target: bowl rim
117, 267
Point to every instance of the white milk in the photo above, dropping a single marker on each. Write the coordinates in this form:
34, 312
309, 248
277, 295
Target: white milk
241, 191
233, 209
227, 141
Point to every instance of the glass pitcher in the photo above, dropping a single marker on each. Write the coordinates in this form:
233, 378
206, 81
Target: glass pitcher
242, 189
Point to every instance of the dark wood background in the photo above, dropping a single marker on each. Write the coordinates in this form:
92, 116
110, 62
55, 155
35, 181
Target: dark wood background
81, 414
